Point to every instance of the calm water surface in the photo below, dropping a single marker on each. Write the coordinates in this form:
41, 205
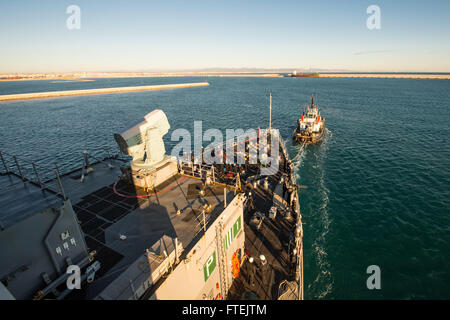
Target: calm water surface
378, 186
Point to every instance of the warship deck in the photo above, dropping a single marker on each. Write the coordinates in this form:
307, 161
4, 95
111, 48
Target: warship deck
19, 199
274, 239
119, 222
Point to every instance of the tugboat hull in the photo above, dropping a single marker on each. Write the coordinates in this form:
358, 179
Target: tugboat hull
307, 138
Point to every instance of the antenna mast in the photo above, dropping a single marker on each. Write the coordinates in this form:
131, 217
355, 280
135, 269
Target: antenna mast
270, 112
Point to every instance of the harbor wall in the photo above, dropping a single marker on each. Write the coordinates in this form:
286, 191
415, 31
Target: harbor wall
56, 94
385, 75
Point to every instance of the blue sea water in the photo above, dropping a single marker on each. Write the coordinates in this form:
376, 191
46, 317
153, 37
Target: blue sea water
377, 189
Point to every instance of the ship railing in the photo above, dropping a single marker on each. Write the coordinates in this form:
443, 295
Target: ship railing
104, 155
47, 176
220, 173
137, 283
44, 176
224, 177
235, 141
138, 286
216, 177
299, 246
203, 218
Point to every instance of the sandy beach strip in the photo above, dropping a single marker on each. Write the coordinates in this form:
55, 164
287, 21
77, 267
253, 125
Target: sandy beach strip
385, 76
55, 94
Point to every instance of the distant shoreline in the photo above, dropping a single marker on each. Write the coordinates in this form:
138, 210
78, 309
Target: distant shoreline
72, 77
385, 76
86, 76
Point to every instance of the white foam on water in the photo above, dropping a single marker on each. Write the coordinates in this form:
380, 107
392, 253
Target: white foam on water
297, 162
319, 245
324, 279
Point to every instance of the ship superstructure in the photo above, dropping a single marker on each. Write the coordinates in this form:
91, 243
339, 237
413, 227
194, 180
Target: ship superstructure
155, 227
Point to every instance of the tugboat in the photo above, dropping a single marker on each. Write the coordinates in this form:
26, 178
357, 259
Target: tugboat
310, 126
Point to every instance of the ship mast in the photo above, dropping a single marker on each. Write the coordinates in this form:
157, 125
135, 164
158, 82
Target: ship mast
270, 112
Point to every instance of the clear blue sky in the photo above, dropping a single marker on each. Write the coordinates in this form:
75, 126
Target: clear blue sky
148, 35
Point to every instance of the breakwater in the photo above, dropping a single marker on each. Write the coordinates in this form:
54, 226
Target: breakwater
66, 93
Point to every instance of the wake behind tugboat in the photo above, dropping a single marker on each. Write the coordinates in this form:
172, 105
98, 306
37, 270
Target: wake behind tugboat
314, 199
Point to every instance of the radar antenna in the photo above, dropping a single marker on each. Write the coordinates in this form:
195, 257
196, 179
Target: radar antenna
144, 143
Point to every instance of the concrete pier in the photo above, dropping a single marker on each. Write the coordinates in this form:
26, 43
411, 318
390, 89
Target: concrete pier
55, 94
385, 75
